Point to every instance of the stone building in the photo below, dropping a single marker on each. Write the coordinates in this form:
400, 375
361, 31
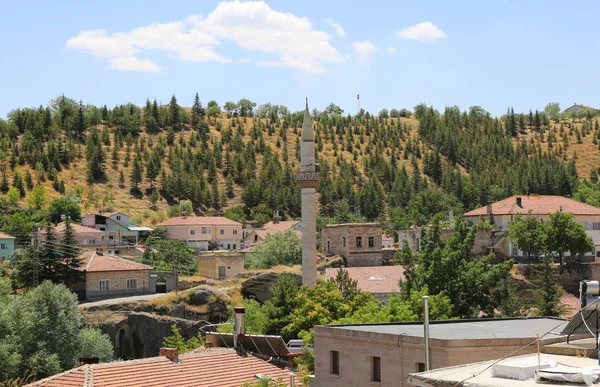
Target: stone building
359, 243
220, 265
380, 281
385, 354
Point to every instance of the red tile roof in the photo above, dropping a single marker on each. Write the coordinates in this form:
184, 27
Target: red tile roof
93, 262
79, 229
281, 226
386, 238
373, 279
199, 221
538, 204
200, 369
6, 236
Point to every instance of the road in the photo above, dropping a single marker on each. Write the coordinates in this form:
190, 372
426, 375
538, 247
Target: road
120, 300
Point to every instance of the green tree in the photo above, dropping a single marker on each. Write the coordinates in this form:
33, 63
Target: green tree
527, 234
213, 110
246, 107
279, 248
174, 112
37, 198
167, 254
197, 112
64, 205
281, 304
548, 292
13, 195
94, 343
552, 109
136, 173
178, 341
563, 234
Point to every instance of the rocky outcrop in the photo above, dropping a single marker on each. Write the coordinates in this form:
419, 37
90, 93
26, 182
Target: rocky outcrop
140, 335
259, 287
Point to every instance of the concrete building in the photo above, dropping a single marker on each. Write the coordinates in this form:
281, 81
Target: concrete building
380, 281
258, 235
110, 276
205, 233
308, 178
86, 237
117, 228
501, 213
387, 242
220, 265
412, 237
358, 243
385, 354
7, 246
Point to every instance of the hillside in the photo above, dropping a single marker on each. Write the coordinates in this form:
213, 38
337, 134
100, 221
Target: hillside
220, 160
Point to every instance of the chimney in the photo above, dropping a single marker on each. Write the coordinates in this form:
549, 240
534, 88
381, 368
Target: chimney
489, 211
520, 201
239, 324
171, 354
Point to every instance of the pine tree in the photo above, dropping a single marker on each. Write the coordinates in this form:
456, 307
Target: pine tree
229, 185
136, 173
80, 122
174, 112
4, 183
197, 112
121, 179
69, 272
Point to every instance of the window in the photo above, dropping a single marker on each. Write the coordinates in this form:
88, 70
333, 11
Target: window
358, 241
3, 246
235, 232
192, 232
234, 246
596, 225
205, 230
375, 369
371, 241
104, 284
132, 283
420, 367
118, 217
111, 237
334, 367
221, 232
343, 241
229, 246
328, 246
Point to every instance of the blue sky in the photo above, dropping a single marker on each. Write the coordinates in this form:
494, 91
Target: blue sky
396, 54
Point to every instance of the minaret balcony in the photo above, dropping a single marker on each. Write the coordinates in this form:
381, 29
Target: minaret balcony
307, 179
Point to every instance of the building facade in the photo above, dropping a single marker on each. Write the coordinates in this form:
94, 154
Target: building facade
86, 237
501, 213
359, 243
205, 233
385, 354
220, 265
258, 235
7, 247
117, 228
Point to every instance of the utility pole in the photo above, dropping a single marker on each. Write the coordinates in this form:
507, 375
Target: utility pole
36, 257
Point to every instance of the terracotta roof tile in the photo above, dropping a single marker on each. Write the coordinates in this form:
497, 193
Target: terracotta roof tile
79, 229
538, 204
373, 279
6, 236
92, 262
199, 221
219, 369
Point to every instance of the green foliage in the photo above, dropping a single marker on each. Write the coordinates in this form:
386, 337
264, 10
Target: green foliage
167, 254
95, 344
563, 234
280, 248
177, 341
37, 198
548, 292
527, 234
265, 382
236, 214
64, 205
449, 269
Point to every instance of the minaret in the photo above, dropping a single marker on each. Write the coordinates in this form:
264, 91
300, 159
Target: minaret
307, 180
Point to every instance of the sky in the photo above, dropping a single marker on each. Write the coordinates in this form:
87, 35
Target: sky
395, 54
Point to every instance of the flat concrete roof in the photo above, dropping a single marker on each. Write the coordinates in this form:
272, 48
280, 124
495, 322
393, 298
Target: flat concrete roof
501, 328
449, 376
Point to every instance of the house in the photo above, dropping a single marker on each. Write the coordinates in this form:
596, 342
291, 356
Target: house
220, 265
205, 233
577, 108
501, 213
214, 367
412, 236
258, 235
387, 242
86, 237
7, 246
110, 276
380, 281
358, 243
386, 353
117, 228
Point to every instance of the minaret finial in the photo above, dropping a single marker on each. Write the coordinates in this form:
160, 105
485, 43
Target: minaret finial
307, 102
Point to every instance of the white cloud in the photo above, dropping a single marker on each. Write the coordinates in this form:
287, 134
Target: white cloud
134, 64
363, 50
244, 60
337, 27
425, 32
288, 40
391, 50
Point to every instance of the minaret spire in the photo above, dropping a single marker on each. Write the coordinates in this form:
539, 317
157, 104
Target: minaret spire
308, 179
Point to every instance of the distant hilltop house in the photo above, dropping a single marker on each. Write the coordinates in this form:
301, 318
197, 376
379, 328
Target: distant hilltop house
7, 246
359, 243
258, 235
117, 227
380, 281
577, 108
501, 213
205, 233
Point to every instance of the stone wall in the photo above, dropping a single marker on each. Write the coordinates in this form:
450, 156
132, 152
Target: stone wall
118, 283
342, 239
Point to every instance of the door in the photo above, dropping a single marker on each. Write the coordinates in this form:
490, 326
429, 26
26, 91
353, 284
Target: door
221, 272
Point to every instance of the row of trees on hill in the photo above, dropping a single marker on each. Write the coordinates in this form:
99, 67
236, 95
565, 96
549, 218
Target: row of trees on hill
371, 167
